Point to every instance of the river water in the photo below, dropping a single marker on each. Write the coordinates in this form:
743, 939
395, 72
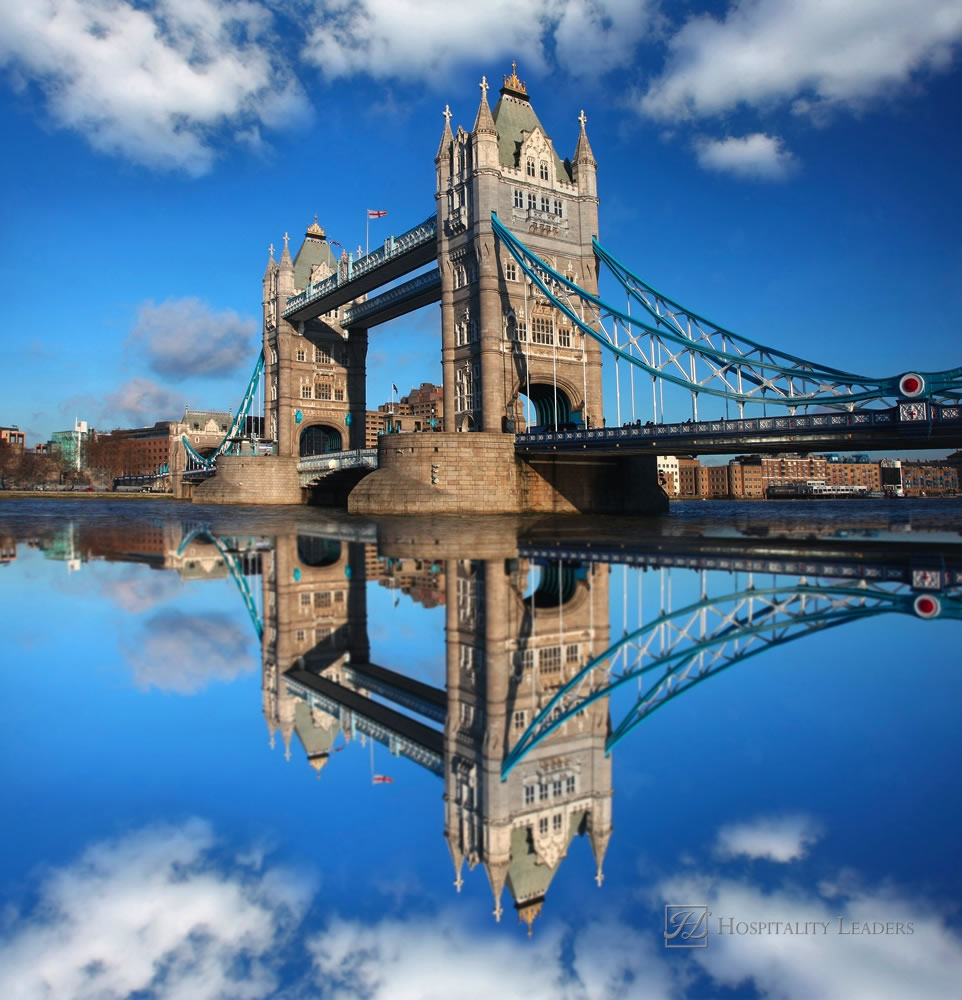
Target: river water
288, 753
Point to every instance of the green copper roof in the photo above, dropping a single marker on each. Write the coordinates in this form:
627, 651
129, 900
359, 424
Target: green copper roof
511, 118
314, 739
527, 877
313, 251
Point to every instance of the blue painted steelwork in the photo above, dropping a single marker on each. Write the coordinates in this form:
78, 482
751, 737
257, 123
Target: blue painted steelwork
680, 347
788, 612
233, 567
207, 463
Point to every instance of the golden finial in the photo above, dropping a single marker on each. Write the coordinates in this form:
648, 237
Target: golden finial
513, 84
314, 229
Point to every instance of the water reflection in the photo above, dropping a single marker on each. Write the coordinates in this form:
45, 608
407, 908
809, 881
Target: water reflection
560, 639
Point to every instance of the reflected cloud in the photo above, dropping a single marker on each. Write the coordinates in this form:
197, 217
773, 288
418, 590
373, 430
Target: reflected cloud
879, 943
184, 653
151, 911
135, 590
775, 838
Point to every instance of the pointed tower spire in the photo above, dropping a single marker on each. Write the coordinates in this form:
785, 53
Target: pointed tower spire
447, 137
457, 858
583, 153
271, 263
484, 122
599, 845
584, 168
286, 261
497, 872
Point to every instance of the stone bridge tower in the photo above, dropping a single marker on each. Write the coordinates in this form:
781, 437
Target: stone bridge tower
314, 371
501, 341
507, 654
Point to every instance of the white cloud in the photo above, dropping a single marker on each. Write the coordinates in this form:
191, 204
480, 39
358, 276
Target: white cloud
150, 911
423, 39
141, 401
776, 838
184, 653
815, 53
136, 589
757, 155
434, 960
153, 84
185, 337
925, 964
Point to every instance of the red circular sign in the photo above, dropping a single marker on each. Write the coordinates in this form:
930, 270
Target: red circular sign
927, 606
911, 384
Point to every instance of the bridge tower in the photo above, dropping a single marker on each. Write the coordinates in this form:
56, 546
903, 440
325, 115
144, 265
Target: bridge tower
507, 654
315, 615
501, 341
314, 370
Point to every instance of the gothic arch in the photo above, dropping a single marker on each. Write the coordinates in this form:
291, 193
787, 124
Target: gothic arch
318, 439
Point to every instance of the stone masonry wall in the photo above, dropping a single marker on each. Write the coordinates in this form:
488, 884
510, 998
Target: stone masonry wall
255, 479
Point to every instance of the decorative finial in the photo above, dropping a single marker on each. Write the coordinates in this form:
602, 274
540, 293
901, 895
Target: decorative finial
286, 238
582, 118
447, 115
484, 88
513, 85
270, 250
314, 229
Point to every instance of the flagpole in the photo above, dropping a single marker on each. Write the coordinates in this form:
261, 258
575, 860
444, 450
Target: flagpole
367, 232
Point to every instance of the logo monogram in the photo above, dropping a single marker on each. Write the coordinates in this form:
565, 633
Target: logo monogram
686, 926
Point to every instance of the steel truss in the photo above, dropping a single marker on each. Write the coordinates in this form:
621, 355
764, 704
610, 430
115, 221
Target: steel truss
200, 463
676, 345
681, 648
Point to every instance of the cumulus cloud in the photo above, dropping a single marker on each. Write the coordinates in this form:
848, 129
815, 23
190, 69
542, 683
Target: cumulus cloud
135, 589
433, 960
776, 838
141, 401
757, 156
425, 38
925, 962
156, 84
185, 337
151, 911
814, 54
184, 653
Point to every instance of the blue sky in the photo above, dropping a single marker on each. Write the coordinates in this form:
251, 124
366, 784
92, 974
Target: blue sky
788, 169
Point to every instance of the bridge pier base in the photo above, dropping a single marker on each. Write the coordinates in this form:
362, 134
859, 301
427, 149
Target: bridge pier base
480, 473
254, 479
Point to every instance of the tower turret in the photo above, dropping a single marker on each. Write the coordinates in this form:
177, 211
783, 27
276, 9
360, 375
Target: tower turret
584, 166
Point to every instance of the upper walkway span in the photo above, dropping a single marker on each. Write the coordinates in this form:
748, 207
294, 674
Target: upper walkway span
398, 256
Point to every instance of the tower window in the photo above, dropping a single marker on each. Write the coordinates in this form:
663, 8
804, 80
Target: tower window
556, 821
570, 784
339, 394
530, 167
305, 392
322, 391
532, 202
528, 795
322, 354
543, 824
544, 170
518, 198
510, 271
558, 207
545, 204
301, 355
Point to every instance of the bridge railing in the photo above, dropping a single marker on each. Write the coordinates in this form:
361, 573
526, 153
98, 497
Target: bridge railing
394, 246
922, 414
331, 461
398, 294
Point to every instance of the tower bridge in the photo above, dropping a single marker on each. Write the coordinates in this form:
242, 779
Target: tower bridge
524, 330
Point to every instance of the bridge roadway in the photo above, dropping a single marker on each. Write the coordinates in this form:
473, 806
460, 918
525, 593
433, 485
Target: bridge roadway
917, 425
398, 256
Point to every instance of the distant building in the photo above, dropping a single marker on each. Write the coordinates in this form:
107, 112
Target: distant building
14, 437
421, 409
713, 481
752, 475
929, 479
668, 474
71, 445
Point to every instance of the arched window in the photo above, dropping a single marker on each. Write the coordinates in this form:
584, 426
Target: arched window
543, 170
530, 167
